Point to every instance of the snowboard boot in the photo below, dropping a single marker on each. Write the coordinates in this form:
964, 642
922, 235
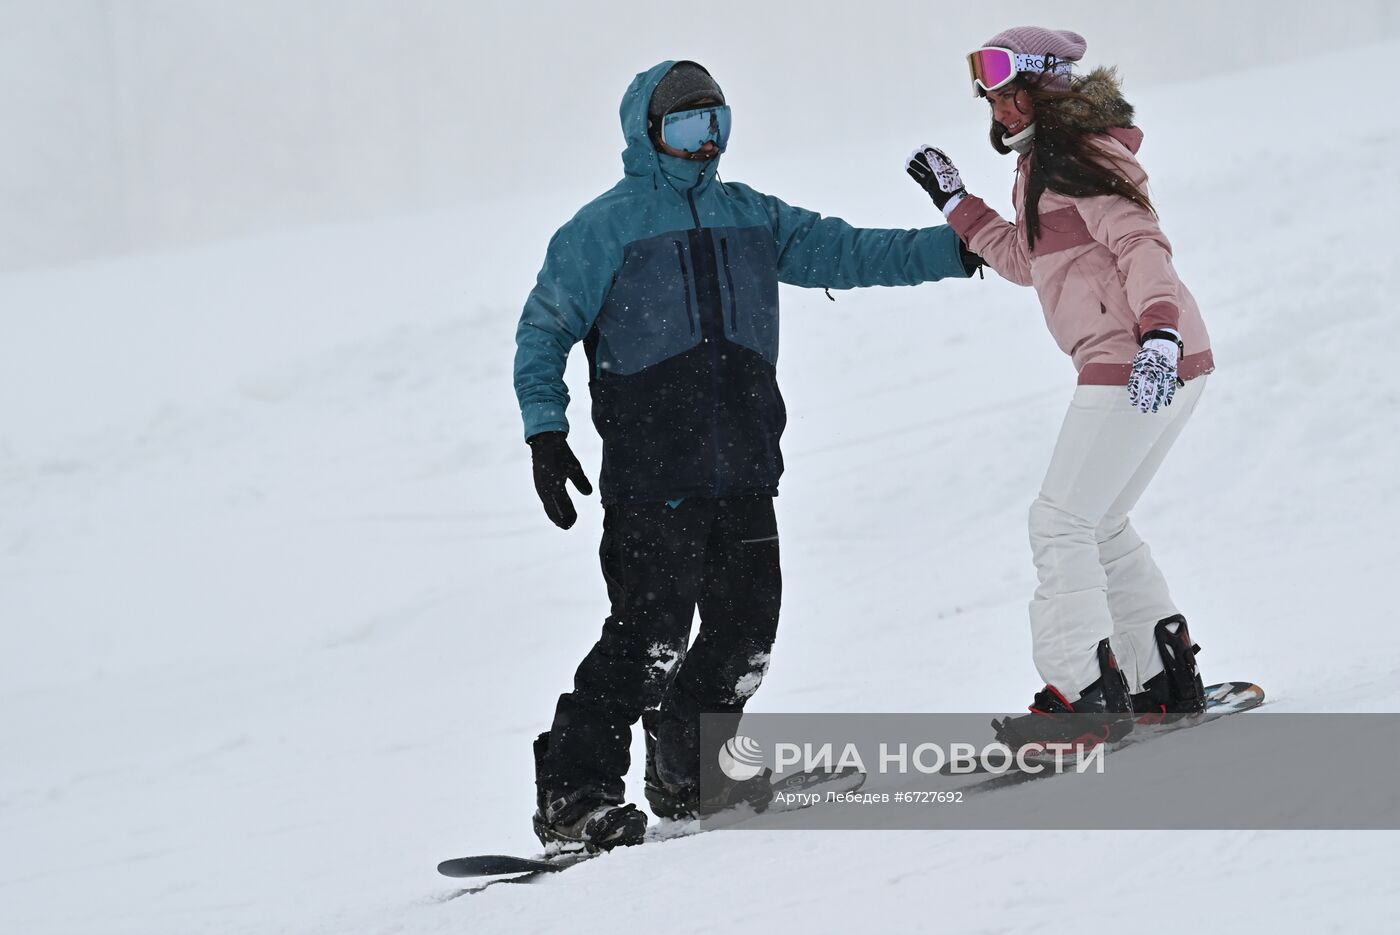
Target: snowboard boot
1176, 691
683, 802
589, 816
663, 804
1101, 714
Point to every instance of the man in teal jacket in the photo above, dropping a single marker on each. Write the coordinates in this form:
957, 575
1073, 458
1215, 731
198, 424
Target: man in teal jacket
670, 280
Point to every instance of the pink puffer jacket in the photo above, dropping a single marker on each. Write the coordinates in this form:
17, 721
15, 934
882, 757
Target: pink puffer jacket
1101, 266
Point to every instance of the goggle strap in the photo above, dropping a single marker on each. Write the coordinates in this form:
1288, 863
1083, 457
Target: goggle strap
1042, 63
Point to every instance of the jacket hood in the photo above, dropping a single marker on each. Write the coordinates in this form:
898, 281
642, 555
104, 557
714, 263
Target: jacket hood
1099, 107
641, 157
1095, 105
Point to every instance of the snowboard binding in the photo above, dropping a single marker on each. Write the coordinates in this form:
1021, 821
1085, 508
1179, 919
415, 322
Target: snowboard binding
1176, 691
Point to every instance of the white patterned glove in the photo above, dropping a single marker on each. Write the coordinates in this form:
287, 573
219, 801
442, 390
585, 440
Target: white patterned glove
1154, 378
937, 175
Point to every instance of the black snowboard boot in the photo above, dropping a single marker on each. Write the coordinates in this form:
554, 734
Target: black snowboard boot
592, 817
1177, 690
663, 804
1101, 714
681, 802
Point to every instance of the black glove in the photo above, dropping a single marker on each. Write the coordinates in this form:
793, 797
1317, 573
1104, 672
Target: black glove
935, 174
971, 261
554, 462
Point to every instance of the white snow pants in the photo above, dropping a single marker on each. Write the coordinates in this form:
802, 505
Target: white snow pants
1097, 577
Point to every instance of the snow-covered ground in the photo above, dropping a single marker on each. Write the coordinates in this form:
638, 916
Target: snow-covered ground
281, 614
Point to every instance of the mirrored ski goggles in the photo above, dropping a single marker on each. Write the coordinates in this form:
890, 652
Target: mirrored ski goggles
994, 67
691, 129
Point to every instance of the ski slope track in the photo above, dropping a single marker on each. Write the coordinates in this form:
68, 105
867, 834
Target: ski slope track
281, 614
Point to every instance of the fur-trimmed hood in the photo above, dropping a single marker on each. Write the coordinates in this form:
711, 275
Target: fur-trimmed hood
1094, 104
1102, 108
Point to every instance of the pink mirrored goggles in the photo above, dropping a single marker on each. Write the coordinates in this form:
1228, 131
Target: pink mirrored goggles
994, 67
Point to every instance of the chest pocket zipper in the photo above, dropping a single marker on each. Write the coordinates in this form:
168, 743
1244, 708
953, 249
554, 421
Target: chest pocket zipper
729, 278
685, 285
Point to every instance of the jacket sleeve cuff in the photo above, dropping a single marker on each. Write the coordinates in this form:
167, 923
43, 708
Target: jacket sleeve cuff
970, 216
1159, 315
543, 417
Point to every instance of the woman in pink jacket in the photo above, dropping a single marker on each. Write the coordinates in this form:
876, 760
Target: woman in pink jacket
1107, 638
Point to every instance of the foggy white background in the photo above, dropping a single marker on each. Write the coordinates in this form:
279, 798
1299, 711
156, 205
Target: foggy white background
280, 614
135, 125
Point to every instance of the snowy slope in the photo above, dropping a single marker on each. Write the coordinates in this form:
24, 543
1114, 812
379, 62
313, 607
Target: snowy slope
280, 612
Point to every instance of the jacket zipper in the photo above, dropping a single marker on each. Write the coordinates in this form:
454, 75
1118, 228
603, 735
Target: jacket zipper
685, 285
729, 278
715, 355
690, 197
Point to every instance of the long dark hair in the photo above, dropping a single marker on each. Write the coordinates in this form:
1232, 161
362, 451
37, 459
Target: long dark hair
1064, 155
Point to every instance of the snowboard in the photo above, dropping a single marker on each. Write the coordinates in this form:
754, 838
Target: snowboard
511, 869
1221, 699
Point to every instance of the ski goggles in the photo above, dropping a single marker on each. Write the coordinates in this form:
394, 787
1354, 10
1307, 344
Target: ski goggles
994, 67
689, 130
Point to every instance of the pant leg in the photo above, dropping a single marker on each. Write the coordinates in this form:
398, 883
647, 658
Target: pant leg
739, 604
1138, 596
1103, 443
653, 559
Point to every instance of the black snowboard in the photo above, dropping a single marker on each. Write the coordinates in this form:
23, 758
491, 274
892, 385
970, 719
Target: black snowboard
524, 869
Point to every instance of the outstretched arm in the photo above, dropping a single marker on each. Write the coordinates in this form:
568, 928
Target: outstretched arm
826, 252
984, 231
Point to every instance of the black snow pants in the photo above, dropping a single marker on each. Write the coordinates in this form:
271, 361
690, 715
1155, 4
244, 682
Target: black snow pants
660, 563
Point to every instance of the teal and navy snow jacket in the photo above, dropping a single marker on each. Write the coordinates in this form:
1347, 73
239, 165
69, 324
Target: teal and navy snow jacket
671, 281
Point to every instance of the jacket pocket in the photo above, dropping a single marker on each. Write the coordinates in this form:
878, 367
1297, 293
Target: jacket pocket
650, 313
749, 280
685, 285
729, 278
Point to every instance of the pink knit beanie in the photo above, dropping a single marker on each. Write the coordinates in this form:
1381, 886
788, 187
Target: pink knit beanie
1036, 40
